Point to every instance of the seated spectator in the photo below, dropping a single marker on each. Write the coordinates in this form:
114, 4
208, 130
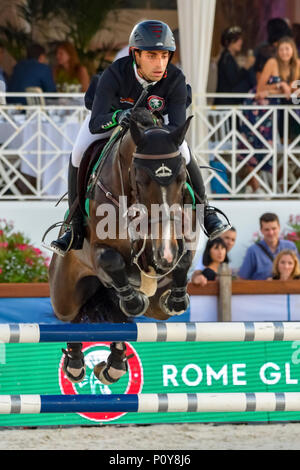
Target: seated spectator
231, 77
229, 238
276, 78
258, 261
31, 72
286, 266
68, 70
214, 255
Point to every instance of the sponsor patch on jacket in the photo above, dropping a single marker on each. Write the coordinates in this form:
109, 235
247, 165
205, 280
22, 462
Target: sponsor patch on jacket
155, 103
126, 100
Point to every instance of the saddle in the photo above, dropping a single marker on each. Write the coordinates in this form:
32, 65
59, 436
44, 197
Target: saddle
90, 167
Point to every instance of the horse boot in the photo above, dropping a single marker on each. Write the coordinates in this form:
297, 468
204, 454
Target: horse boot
73, 365
213, 226
73, 237
116, 365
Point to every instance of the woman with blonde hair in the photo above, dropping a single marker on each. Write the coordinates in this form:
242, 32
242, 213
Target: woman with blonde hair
280, 71
68, 70
286, 266
276, 78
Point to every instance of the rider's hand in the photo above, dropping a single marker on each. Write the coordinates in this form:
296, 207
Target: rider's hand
124, 118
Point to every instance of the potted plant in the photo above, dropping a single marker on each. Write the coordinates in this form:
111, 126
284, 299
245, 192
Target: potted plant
20, 261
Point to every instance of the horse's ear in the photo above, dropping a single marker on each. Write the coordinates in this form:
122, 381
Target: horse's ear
135, 132
179, 133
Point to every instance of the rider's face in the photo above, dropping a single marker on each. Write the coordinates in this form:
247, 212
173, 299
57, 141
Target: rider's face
152, 64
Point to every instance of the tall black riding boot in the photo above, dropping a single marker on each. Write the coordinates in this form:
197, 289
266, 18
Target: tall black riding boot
213, 226
64, 243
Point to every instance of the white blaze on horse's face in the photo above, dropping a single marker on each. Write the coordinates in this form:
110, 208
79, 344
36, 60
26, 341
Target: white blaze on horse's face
166, 235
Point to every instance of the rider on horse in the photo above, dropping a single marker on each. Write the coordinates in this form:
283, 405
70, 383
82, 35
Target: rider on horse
111, 97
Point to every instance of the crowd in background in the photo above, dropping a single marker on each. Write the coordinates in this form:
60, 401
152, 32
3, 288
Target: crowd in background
270, 70
269, 258
35, 71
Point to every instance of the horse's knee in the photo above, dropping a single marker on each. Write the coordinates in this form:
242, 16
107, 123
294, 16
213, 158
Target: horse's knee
111, 260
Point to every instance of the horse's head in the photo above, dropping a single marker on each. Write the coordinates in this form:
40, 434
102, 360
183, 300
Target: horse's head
158, 176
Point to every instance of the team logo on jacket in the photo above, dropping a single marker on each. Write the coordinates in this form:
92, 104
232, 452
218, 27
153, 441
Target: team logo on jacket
155, 103
131, 383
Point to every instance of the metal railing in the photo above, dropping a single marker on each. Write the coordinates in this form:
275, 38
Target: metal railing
246, 142
37, 139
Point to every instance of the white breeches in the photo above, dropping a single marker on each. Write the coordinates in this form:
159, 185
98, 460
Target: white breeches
84, 139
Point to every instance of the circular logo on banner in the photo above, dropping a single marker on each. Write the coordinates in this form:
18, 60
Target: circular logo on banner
155, 103
131, 382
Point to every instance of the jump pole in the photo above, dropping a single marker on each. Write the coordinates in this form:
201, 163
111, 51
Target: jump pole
150, 332
151, 403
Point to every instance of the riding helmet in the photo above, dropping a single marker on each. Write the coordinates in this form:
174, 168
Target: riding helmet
152, 35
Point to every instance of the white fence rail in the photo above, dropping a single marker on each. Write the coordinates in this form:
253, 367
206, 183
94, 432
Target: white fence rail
36, 141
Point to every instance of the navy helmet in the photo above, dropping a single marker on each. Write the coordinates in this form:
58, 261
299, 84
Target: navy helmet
152, 35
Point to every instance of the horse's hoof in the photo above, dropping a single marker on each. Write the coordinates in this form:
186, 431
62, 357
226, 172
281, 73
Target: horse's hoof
115, 367
98, 372
73, 369
140, 309
173, 305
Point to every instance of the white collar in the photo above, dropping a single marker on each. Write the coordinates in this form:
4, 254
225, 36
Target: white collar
141, 80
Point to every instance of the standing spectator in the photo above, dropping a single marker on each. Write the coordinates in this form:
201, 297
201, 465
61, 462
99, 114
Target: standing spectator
286, 266
68, 70
200, 276
231, 77
31, 72
258, 261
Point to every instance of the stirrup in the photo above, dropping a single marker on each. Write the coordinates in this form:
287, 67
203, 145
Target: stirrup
218, 232
55, 249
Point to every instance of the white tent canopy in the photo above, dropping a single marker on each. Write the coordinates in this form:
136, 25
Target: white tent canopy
196, 23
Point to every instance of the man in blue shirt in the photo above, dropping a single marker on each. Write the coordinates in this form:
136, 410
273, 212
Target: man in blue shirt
31, 72
259, 257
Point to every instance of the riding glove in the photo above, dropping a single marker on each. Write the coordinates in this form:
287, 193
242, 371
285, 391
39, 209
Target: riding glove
124, 118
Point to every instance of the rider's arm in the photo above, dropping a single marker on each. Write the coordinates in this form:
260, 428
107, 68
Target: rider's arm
176, 104
102, 118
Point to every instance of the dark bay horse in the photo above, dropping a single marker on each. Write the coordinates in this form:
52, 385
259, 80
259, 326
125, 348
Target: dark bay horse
125, 269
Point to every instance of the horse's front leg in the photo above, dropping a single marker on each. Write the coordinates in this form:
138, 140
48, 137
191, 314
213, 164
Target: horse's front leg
110, 262
176, 300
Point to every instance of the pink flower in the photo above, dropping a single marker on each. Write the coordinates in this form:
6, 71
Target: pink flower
0, 271
29, 261
3, 244
37, 251
22, 247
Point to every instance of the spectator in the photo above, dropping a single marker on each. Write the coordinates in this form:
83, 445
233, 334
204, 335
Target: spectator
68, 70
276, 77
214, 254
277, 28
258, 261
229, 238
31, 72
286, 266
231, 77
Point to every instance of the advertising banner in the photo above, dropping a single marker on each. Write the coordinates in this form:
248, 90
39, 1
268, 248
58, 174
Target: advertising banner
154, 368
